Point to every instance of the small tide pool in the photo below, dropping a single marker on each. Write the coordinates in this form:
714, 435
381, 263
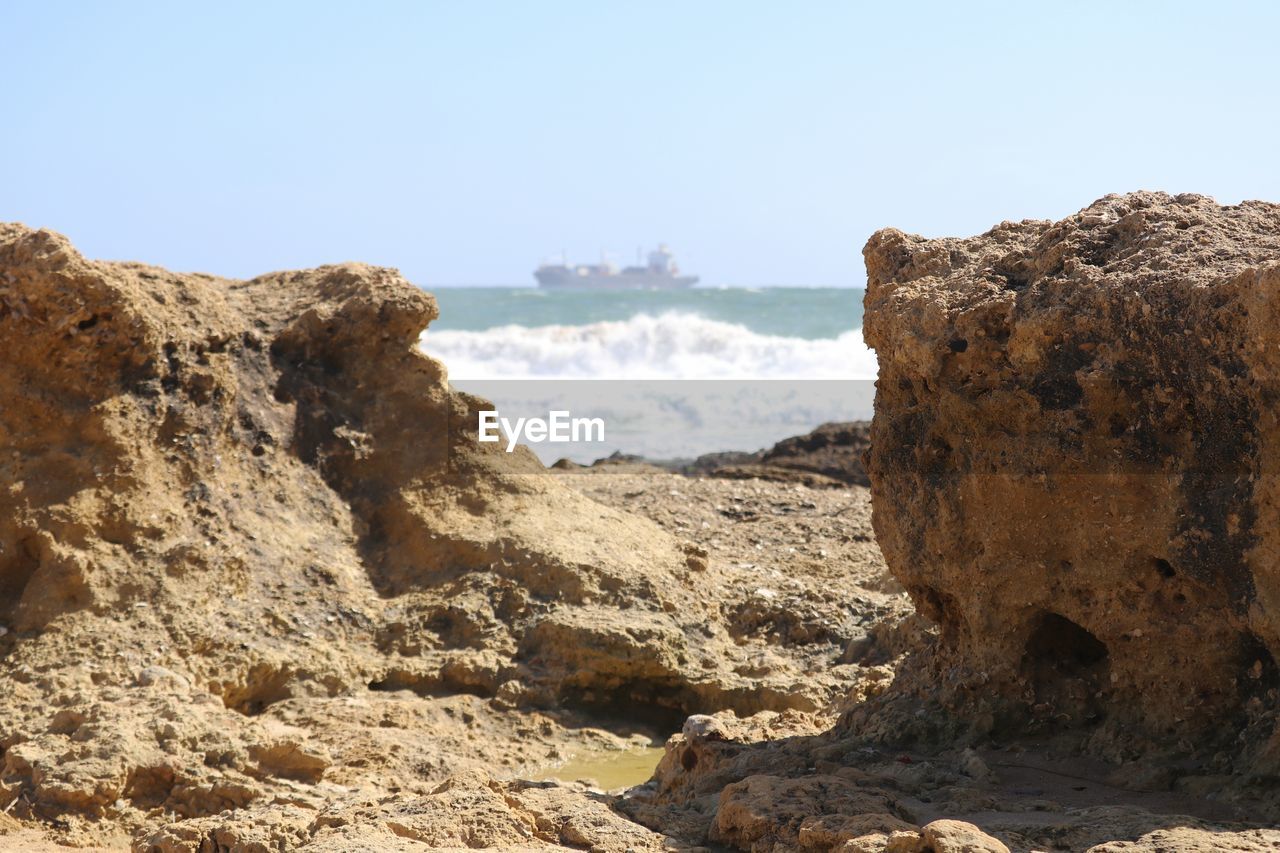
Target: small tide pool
608, 769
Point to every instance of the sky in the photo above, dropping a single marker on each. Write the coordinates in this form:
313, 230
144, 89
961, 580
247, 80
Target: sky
466, 142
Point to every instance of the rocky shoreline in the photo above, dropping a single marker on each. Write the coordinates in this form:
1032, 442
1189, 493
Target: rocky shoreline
263, 590
831, 455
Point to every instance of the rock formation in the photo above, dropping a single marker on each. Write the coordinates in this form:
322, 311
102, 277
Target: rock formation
829, 455
1074, 465
261, 589
1072, 475
244, 525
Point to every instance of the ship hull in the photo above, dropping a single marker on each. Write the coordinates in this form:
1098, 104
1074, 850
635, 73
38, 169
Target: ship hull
618, 281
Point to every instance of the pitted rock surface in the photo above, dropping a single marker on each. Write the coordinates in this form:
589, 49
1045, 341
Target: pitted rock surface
1074, 465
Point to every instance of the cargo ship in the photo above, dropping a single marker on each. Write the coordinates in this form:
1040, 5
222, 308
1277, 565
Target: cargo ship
660, 273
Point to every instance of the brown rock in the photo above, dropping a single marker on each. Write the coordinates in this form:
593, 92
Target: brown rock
1074, 461
289, 758
850, 833
252, 557
956, 836
1196, 840
830, 455
833, 450
768, 813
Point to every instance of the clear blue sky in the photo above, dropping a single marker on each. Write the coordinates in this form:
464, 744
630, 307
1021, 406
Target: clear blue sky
463, 142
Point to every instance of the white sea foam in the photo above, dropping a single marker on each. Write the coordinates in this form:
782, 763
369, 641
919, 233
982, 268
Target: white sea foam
672, 345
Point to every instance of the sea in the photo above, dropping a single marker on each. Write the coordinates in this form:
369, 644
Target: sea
673, 374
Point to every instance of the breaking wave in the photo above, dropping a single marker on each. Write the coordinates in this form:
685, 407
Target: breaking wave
671, 345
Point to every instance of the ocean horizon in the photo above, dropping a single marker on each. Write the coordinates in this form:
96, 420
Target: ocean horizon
674, 373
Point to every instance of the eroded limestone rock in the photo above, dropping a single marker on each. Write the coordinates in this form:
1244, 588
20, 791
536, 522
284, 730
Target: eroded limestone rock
1074, 464
251, 554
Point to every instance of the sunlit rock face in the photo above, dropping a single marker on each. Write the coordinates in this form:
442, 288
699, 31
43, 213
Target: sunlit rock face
1074, 462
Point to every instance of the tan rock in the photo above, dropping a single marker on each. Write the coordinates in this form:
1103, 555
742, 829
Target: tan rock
252, 558
1074, 466
903, 841
292, 759
1196, 840
957, 836
849, 833
767, 813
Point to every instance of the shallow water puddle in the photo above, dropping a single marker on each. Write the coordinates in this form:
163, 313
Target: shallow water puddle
609, 769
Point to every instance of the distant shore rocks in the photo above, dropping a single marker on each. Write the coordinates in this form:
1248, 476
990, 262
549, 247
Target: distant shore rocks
830, 456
